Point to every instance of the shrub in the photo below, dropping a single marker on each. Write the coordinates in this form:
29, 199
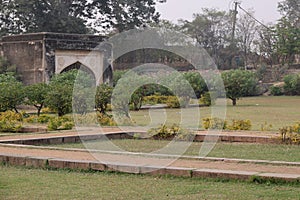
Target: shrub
292, 84
169, 132
290, 134
240, 125
106, 120
208, 99
173, 102
10, 121
214, 123
276, 91
155, 99
60, 123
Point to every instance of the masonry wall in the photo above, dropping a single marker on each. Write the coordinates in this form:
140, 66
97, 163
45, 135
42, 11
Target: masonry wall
27, 55
34, 54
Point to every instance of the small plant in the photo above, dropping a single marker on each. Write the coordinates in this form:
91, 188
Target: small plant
214, 123
106, 120
244, 125
10, 121
60, 123
290, 134
173, 102
169, 132
208, 99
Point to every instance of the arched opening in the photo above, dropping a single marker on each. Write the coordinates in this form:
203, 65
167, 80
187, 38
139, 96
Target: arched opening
108, 75
82, 67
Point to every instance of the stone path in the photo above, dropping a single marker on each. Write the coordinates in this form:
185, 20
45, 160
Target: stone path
139, 163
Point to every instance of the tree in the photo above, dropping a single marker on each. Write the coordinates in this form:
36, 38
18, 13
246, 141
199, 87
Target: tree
211, 30
11, 93
103, 97
60, 95
239, 83
197, 83
290, 9
245, 33
36, 95
121, 15
74, 16
288, 40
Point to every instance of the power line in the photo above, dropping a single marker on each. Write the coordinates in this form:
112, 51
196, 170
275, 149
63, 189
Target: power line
250, 15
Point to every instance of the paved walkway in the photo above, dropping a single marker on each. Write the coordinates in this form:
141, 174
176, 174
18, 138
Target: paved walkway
222, 168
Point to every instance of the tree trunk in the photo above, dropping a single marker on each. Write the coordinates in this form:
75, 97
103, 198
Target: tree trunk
233, 102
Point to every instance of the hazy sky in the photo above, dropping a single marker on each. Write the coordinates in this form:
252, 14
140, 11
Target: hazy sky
265, 10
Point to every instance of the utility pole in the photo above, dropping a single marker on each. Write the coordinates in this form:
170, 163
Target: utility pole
235, 12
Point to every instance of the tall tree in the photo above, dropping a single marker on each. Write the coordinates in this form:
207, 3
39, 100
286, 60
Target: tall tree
245, 33
211, 30
74, 16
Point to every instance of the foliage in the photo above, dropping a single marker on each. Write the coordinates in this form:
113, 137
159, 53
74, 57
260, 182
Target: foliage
36, 95
42, 119
169, 132
211, 29
292, 84
59, 98
10, 121
173, 102
60, 123
214, 123
239, 83
103, 97
288, 40
12, 93
208, 99
244, 125
74, 16
197, 83
290, 134
155, 99
276, 91
106, 120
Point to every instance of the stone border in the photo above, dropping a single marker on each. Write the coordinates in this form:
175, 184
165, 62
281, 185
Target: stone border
122, 135
44, 162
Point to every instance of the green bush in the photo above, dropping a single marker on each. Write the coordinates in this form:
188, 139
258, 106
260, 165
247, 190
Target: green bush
214, 123
292, 84
173, 102
208, 99
60, 123
106, 120
239, 125
276, 91
169, 132
10, 121
290, 134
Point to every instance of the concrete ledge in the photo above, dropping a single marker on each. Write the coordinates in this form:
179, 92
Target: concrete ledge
43, 162
224, 174
283, 177
36, 162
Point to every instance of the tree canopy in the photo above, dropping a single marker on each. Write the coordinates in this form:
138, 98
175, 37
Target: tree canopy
74, 16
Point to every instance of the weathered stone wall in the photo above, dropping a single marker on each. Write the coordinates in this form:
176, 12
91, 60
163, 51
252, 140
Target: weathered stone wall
34, 54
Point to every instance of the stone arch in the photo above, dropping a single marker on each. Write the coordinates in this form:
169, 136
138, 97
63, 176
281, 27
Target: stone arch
89, 61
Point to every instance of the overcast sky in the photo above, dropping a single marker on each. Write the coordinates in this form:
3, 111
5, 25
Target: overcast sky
265, 10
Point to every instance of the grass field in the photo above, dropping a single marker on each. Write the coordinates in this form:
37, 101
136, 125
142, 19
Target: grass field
221, 150
21, 183
275, 111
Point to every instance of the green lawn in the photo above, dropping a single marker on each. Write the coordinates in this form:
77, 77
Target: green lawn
277, 111
221, 150
21, 183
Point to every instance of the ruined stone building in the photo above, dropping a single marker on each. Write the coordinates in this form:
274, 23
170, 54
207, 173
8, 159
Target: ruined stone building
39, 56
